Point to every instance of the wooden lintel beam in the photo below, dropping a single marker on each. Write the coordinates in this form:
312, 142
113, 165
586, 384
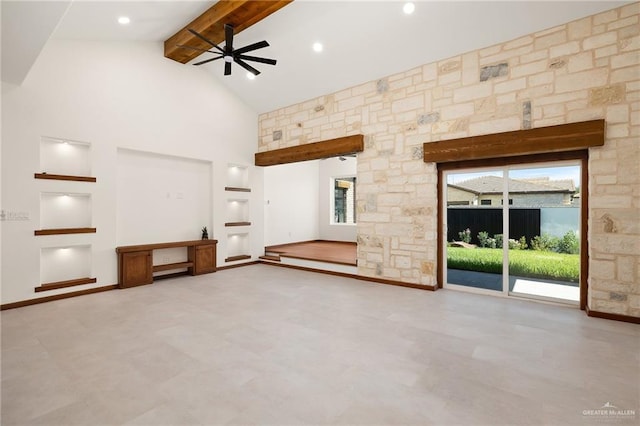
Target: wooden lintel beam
560, 138
311, 151
239, 13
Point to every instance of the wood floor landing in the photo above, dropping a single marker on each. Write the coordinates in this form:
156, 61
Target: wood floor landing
338, 252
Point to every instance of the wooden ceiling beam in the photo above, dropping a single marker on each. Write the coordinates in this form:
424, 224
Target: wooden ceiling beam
239, 13
311, 151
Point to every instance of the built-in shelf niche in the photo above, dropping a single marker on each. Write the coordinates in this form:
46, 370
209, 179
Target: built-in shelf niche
65, 266
237, 212
238, 247
65, 210
64, 159
237, 177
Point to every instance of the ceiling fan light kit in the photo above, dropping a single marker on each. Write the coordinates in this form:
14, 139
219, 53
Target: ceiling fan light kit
229, 54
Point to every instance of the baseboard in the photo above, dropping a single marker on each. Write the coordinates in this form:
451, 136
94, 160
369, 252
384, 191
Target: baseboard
614, 317
354, 276
238, 265
22, 303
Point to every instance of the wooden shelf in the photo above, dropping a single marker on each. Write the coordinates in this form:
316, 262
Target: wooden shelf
63, 284
234, 258
237, 224
60, 231
64, 177
236, 189
170, 266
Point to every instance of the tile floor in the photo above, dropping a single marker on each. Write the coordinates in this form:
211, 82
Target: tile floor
269, 345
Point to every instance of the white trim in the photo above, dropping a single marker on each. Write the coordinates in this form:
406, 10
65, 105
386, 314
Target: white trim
505, 174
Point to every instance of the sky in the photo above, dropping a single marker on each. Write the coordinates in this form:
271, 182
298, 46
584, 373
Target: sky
527, 172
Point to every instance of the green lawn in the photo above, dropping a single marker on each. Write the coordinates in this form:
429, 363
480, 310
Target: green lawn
523, 263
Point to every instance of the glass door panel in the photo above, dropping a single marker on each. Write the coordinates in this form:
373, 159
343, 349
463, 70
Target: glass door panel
544, 229
474, 230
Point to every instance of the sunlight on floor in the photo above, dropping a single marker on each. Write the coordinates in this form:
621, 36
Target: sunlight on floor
537, 288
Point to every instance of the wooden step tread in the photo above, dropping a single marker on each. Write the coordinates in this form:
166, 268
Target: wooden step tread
270, 257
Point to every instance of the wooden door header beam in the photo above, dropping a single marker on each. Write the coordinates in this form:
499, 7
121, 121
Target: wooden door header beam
564, 137
239, 13
311, 151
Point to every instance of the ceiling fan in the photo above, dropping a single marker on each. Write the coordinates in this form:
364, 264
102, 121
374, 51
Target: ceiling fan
229, 54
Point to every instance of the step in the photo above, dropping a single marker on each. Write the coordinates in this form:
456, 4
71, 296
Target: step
273, 258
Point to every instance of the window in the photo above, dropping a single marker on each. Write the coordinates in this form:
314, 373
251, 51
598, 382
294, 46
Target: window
344, 200
510, 201
485, 202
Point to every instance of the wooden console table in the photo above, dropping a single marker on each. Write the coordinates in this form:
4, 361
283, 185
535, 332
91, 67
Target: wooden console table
135, 263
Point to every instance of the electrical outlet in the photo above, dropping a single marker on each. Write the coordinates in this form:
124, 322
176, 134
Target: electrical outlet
165, 259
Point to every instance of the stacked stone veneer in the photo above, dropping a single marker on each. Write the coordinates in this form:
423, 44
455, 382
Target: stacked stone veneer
587, 69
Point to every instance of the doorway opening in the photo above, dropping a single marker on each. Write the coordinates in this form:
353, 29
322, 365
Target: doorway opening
514, 229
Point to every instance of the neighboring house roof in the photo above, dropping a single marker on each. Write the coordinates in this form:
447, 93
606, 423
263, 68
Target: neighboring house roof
494, 185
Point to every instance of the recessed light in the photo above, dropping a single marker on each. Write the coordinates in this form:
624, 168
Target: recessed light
317, 46
251, 76
408, 8
124, 20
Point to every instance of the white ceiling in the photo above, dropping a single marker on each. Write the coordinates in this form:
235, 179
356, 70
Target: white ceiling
364, 40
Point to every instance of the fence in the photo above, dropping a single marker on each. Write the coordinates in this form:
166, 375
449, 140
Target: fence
527, 222
523, 222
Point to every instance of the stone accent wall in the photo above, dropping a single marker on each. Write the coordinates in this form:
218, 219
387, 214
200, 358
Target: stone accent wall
583, 70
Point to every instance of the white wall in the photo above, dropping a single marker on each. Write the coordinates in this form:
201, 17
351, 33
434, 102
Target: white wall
291, 202
161, 198
329, 169
113, 95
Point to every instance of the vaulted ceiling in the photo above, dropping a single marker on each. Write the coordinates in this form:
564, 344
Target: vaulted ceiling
363, 40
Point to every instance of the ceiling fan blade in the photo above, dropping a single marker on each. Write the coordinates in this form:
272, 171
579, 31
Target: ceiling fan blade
228, 36
249, 48
182, 46
208, 60
227, 68
201, 37
246, 66
256, 59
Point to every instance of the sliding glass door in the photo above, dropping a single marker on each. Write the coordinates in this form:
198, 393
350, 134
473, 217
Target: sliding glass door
514, 230
475, 219
544, 246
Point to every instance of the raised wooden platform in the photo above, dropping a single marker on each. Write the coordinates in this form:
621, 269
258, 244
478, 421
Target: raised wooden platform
337, 252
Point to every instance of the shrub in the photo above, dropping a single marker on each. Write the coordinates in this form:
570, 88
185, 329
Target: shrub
523, 243
482, 238
519, 244
498, 238
514, 244
569, 243
465, 236
545, 242
491, 243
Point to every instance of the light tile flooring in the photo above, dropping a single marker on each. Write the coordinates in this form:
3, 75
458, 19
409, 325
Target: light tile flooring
269, 345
